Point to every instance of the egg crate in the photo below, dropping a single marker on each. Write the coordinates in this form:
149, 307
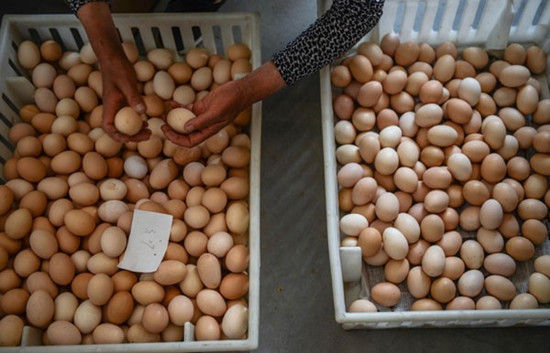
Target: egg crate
490, 24
180, 33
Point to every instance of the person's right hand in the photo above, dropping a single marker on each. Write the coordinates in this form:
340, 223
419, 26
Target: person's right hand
119, 90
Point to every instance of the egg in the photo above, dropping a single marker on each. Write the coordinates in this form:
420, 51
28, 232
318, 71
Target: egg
361, 68
536, 59
444, 68
425, 304
107, 333
207, 328
491, 214
524, 301
471, 283
386, 294
443, 290
128, 121
61, 269
520, 248
210, 302
514, 76
362, 305
170, 272
499, 264
202, 78
163, 85
395, 82
386, 161
488, 302
500, 287
395, 243
370, 93
155, 318
344, 132
40, 308
542, 264
28, 54
234, 286
433, 261
539, 287
396, 271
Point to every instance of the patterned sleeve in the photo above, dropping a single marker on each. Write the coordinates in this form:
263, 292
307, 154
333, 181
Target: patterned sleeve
76, 4
330, 36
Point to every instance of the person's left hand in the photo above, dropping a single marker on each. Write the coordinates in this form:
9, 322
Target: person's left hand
216, 110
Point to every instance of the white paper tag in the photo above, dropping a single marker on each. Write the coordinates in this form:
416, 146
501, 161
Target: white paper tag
148, 241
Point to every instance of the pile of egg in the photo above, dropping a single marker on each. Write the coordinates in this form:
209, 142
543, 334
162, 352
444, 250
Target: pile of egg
443, 179
67, 205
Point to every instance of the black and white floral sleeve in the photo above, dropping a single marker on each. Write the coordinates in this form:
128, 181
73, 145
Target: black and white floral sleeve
76, 4
330, 36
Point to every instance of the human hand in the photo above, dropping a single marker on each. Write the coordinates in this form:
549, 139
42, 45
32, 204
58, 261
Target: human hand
216, 110
119, 90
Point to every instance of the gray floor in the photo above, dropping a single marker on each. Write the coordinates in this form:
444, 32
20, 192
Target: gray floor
296, 300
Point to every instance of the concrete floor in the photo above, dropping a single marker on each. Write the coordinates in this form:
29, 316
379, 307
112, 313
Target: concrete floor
296, 297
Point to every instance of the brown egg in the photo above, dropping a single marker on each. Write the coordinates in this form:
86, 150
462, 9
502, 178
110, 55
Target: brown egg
443, 289
14, 301
11, 330
500, 287
394, 83
401, 102
340, 76
155, 318
418, 283
425, 304
79, 222
536, 59
540, 163
493, 168
120, 307
520, 248
396, 271
444, 68
40, 308
386, 294
532, 209
389, 43
437, 178
487, 81
361, 68
61, 269
406, 53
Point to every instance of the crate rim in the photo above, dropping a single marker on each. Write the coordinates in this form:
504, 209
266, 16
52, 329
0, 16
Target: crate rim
332, 213
253, 20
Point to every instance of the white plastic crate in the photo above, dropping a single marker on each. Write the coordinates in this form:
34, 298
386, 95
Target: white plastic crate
491, 24
179, 32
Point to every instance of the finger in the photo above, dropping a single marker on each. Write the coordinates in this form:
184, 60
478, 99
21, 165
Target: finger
133, 98
181, 140
202, 135
199, 107
194, 138
174, 104
202, 121
117, 136
141, 136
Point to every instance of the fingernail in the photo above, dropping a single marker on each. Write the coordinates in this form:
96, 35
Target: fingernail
189, 128
140, 108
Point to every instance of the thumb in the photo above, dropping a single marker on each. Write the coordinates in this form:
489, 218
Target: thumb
200, 122
133, 98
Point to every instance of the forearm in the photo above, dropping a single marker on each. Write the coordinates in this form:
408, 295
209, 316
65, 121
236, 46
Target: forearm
329, 37
98, 23
260, 84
